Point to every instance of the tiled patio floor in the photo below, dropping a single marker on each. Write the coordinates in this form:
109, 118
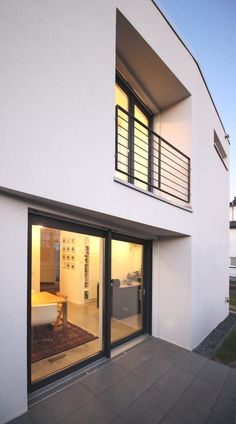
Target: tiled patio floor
154, 382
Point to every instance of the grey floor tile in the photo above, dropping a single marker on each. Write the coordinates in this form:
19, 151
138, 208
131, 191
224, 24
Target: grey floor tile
146, 409
149, 346
60, 405
118, 420
191, 363
156, 401
104, 377
119, 396
171, 386
172, 354
214, 374
230, 385
133, 359
194, 406
93, 412
151, 370
22, 419
224, 410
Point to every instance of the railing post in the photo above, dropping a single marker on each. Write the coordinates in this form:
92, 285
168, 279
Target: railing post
116, 139
150, 160
189, 180
159, 163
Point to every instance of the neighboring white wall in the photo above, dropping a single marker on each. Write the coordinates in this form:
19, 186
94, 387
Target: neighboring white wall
172, 290
232, 242
232, 249
13, 328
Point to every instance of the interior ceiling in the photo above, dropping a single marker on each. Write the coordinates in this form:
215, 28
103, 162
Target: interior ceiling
144, 70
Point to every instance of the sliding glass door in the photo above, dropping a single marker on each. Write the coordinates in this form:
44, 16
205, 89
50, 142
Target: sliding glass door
67, 285
127, 289
86, 295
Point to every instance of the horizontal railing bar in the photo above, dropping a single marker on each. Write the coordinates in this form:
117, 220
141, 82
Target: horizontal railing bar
173, 167
161, 182
141, 164
153, 186
119, 153
166, 170
150, 130
123, 128
162, 154
170, 168
156, 149
163, 147
162, 176
133, 169
175, 189
146, 151
120, 144
156, 164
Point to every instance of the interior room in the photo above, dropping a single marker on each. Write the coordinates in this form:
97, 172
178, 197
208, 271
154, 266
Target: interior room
67, 297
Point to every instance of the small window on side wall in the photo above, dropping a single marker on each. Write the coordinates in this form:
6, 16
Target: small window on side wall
220, 150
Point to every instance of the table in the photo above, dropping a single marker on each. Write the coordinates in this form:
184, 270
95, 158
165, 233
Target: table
42, 298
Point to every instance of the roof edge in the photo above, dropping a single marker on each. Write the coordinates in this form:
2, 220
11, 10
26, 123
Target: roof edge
195, 60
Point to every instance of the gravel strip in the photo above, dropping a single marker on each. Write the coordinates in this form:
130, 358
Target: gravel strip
211, 343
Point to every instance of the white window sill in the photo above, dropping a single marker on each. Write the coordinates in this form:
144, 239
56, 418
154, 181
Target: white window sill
155, 196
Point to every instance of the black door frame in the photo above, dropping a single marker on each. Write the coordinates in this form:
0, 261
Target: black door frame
146, 321
67, 224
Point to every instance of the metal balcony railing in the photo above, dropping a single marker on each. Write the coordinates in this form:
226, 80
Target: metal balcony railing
145, 159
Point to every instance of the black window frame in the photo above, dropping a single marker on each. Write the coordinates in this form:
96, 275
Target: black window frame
134, 100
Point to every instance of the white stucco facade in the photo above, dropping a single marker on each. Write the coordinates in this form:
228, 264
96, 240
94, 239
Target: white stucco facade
57, 155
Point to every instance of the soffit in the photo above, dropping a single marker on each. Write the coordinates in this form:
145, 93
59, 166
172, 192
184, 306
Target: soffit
144, 70
92, 218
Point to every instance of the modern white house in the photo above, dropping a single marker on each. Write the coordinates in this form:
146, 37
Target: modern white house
113, 189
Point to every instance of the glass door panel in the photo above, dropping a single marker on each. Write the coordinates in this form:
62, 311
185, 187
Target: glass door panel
66, 299
127, 289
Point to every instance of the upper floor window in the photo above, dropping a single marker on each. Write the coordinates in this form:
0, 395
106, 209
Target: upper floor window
133, 145
144, 158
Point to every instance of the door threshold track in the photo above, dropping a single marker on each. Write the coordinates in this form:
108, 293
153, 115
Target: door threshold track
63, 383
119, 350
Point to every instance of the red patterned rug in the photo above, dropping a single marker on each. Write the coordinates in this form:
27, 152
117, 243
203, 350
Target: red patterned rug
46, 342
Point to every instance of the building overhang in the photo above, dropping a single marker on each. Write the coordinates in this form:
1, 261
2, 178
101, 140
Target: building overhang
89, 217
144, 70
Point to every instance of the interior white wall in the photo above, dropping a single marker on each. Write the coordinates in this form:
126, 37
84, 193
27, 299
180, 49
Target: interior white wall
172, 290
13, 328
